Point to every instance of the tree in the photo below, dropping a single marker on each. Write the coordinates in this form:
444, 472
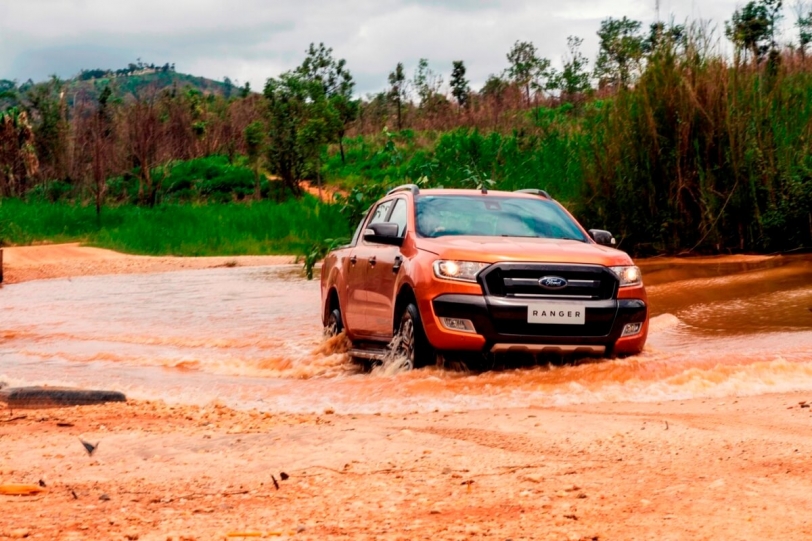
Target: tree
102, 137
804, 24
8, 90
620, 52
319, 67
254, 142
574, 79
459, 84
300, 122
526, 69
494, 91
397, 90
46, 109
143, 131
18, 158
753, 28
426, 82
661, 35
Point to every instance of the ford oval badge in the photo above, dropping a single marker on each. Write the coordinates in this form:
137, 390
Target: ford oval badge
553, 282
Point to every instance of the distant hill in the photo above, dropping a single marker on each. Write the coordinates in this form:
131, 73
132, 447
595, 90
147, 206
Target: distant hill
135, 80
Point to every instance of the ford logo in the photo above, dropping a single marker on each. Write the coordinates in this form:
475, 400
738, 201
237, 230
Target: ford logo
552, 282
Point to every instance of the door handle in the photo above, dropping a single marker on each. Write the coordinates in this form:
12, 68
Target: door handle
373, 260
397, 265
353, 260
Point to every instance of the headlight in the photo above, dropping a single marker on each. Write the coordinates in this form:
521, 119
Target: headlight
464, 271
628, 276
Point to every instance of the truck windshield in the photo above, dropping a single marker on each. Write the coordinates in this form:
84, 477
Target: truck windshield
494, 216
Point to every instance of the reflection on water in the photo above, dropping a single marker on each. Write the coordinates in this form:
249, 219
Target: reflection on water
252, 337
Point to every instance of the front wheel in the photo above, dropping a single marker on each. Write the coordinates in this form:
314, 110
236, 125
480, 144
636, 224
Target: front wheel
334, 325
410, 344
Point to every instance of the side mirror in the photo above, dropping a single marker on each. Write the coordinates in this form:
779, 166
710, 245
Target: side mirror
602, 237
383, 233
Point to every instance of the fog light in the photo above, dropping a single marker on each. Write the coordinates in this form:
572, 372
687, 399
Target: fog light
632, 329
454, 324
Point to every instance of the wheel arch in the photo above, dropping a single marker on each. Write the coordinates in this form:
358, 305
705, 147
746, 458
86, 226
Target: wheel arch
331, 303
405, 296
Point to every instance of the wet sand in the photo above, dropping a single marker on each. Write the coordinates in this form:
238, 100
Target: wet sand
26, 263
706, 435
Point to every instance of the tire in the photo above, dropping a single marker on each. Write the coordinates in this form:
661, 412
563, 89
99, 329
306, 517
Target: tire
334, 325
410, 342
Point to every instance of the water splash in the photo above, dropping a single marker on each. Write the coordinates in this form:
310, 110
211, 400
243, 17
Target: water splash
252, 338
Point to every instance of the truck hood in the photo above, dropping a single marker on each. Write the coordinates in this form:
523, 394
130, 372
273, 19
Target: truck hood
496, 249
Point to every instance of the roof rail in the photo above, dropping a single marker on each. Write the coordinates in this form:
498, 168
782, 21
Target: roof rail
535, 191
414, 188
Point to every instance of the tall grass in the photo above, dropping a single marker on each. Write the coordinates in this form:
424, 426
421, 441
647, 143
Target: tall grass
701, 154
176, 229
545, 157
705, 155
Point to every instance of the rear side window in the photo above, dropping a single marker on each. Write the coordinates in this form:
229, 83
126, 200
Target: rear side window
398, 216
380, 213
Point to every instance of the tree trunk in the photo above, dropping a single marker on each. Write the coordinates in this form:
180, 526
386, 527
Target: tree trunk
257, 188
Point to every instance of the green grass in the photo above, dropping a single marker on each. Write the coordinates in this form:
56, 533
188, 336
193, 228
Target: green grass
183, 229
465, 158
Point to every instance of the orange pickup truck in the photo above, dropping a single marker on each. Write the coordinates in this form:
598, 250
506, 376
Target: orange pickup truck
480, 272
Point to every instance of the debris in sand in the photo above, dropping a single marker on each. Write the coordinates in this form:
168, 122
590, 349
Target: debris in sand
55, 397
89, 447
21, 490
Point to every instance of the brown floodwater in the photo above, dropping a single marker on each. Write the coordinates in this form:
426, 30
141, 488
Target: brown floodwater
251, 337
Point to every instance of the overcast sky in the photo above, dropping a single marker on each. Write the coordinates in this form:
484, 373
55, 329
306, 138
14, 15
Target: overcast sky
251, 40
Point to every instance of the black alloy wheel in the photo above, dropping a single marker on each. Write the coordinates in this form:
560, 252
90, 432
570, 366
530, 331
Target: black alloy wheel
334, 325
410, 343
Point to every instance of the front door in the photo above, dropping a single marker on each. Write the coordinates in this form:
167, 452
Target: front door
383, 275
363, 260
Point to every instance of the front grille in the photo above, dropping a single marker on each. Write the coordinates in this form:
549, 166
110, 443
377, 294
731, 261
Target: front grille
523, 280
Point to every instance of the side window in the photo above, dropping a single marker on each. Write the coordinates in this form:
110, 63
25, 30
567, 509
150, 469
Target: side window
398, 216
357, 233
380, 213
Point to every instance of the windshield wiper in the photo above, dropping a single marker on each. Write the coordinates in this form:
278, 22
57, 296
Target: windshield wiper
568, 238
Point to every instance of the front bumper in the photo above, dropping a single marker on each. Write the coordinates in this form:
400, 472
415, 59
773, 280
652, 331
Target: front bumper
501, 325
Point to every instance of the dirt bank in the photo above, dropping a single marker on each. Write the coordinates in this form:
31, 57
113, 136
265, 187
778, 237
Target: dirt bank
25, 263
698, 469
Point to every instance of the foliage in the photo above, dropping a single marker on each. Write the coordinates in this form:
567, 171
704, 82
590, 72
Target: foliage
255, 143
753, 28
804, 24
703, 156
397, 90
316, 253
319, 67
300, 122
621, 51
527, 69
18, 158
573, 80
460, 88
426, 83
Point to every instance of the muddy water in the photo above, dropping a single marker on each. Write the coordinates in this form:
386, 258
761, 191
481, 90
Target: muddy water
251, 337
